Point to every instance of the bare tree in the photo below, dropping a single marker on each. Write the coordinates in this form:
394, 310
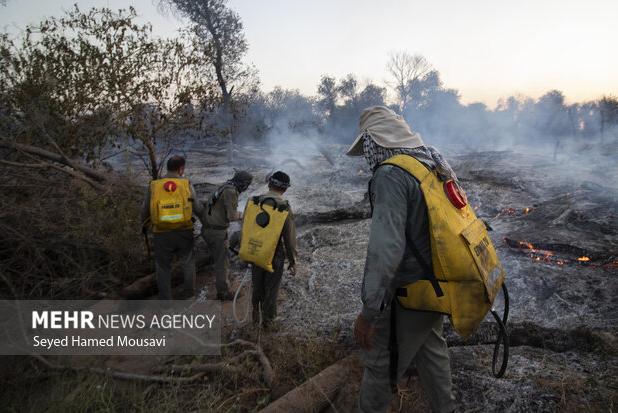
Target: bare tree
223, 43
405, 70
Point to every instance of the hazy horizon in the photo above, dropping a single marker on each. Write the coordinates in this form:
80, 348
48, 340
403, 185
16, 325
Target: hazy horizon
485, 49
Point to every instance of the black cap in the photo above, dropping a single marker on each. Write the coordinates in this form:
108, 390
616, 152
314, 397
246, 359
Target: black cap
174, 163
279, 180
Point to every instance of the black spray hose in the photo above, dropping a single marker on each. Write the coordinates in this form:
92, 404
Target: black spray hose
503, 336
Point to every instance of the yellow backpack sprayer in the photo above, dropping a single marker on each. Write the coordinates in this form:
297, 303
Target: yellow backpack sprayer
467, 274
170, 204
263, 221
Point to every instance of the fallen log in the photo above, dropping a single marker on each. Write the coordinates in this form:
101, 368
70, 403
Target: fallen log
316, 393
357, 211
146, 286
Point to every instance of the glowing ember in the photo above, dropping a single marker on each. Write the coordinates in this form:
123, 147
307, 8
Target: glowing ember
527, 210
543, 253
508, 211
559, 254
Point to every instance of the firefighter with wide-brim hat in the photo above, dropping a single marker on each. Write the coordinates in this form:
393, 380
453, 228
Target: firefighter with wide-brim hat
390, 336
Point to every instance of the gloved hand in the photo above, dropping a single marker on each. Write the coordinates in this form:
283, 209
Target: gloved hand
363, 332
292, 269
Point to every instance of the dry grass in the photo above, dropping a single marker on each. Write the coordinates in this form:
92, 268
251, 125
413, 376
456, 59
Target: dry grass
577, 394
27, 387
63, 239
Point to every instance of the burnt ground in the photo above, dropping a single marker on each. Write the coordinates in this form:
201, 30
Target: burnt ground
562, 313
555, 228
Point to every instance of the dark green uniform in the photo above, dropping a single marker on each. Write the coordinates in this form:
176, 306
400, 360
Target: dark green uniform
216, 218
266, 284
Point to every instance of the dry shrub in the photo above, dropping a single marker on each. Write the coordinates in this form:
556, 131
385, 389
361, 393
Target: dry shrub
62, 239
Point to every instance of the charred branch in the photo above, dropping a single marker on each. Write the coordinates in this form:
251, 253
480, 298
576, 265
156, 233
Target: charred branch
199, 370
581, 339
316, 393
146, 286
358, 211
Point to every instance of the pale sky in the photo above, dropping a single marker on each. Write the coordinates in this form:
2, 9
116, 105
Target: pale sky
486, 49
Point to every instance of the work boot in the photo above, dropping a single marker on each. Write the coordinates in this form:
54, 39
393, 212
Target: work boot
225, 296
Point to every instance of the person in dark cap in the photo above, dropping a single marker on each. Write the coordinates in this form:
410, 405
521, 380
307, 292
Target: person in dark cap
266, 284
221, 209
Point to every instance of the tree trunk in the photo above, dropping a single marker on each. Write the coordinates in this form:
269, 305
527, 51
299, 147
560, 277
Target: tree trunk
152, 158
225, 93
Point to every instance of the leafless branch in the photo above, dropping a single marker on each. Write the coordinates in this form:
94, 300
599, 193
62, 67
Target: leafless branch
43, 153
199, 369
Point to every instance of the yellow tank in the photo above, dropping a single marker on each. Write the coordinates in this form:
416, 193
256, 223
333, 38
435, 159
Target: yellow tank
170, 204
262, 224
464, 259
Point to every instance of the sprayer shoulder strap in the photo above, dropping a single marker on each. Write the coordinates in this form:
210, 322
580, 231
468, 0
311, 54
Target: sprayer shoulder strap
419, 172
277, 204
217, 194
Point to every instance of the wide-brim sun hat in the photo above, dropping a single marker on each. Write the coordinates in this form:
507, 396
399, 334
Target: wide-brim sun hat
386, 128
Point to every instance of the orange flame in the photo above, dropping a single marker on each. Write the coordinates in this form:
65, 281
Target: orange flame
583, 259
527, 210
526, 245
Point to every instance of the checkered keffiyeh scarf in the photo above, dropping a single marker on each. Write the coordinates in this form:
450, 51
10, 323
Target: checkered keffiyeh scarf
375, 154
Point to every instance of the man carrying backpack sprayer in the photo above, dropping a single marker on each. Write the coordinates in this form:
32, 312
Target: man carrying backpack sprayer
420, 222
268, 237
168, 208
221, 209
